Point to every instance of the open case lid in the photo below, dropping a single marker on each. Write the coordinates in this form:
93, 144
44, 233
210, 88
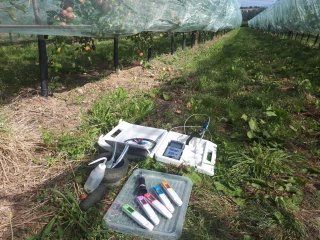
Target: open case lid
125, 131
200, 153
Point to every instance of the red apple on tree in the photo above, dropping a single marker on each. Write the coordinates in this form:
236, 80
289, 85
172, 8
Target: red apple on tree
70, 16
64, 12
69, 9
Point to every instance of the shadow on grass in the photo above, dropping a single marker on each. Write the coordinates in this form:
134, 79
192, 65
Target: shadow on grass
69, 68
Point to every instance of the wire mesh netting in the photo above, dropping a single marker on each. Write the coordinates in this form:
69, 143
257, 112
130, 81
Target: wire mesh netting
301, 16
112, 18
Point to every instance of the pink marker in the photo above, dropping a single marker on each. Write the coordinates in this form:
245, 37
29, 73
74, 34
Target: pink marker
157, 205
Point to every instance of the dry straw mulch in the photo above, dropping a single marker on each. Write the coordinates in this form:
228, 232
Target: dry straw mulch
24, 168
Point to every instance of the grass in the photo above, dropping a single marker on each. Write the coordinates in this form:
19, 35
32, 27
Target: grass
263, 96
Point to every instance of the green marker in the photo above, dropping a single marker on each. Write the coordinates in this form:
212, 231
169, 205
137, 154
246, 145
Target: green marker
137, 217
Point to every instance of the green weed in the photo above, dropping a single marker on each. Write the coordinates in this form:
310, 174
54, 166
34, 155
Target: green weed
50, 161
69, 220
266, 221
106, 112
4, 126
48, 136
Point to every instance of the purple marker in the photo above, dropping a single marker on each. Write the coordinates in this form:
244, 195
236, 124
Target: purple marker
148, 210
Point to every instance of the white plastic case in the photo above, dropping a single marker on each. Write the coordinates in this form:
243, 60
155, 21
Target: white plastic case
200, 153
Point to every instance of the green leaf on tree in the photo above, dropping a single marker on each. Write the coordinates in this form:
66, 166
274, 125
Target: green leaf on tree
22, 8
12, 12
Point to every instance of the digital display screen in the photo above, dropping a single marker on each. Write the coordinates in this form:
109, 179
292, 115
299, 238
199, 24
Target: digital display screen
143, 201
176, 145
174, 150
131, 210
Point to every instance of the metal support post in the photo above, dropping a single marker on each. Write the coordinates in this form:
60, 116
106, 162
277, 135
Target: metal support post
11, 38
192, 39
315, 42
184, 42
43, 59
116, 54
43, 62
149, 54
308, 37
172, 44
